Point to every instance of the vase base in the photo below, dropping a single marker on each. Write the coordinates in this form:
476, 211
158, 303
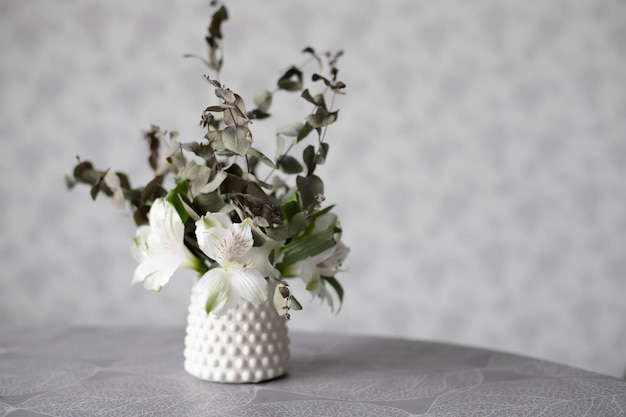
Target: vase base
234, 376
248, 344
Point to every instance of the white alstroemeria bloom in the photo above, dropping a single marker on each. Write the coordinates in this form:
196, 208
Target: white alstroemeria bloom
326, 263
159, 247
311, 270
237, 277
329, 262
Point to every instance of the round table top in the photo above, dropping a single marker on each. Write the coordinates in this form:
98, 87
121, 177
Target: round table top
126, 372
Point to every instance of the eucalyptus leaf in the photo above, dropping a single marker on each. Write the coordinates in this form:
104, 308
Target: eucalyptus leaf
289, 165
304, 132
154, 189
291, 80
237, 139
203, 150
216, 141
236, 114
257, 114
322, 153
217, 108
294, 303
308, 156
82, 168
263, 100
140, 216
284, 300
310, 187
215, 27
317, 100
261, 157
197, 175
311, 51
215, 183
321, 117
280, 145
209, 202
226, 94
290, 130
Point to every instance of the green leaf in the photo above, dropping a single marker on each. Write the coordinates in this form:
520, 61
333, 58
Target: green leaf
174, 197
290, 209
237, 139
289, 165
336, 286
310, 245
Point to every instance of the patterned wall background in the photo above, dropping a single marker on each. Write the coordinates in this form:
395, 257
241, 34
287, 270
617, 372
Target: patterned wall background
478, 164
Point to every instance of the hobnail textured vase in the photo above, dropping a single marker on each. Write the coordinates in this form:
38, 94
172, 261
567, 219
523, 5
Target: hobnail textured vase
247, 344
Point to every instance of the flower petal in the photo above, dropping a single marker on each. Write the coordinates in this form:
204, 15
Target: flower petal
242, 240
215, 286
160, 247
140, 243
249, 284
154, 273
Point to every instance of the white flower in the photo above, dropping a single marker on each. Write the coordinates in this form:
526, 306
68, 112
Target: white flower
329, 262
160, 247
237, 277
324, 264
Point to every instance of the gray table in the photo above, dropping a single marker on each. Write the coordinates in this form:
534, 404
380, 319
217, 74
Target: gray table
138, 372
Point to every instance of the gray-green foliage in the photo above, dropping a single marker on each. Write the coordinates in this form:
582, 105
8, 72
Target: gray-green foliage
223, 168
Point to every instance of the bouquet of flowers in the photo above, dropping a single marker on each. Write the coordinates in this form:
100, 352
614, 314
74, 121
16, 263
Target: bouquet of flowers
209, 208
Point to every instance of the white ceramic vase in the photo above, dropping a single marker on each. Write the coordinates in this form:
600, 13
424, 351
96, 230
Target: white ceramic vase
247, 344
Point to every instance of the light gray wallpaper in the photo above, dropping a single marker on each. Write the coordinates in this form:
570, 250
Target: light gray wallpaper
478, 165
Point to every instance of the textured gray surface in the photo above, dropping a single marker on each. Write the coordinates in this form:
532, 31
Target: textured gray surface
138, 372
478, 164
